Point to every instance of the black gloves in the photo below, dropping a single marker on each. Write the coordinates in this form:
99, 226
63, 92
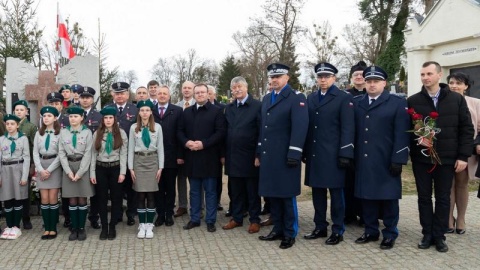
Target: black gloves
345, 163
395, 169
292, 163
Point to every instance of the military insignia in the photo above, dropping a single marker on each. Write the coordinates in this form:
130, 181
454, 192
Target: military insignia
373, 69
119, 85
302, 104
274, 66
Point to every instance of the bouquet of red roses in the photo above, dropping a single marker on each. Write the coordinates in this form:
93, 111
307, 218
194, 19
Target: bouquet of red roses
425, 129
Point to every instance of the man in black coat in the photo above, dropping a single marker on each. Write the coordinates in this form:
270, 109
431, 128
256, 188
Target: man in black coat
202, 132
241, 164
453, 144
169, 117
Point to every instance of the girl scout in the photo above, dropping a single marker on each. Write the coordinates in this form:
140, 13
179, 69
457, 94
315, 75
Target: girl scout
145, 161
49, 171
108, 168
75, 155
15, 165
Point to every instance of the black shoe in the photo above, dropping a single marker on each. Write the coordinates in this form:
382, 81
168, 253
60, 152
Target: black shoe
112, 233
287, 242
67, 223
387, 243
130, 221
169, 221
73, 235
219, 207
458, 231
228, 213
334, 239
441, 246
104, 234
27, 225
190, 225
95, 225
365, 238
272, 236
82, 235
425, 243
450, 230
52, 236
211, 227
316, 234
159, 221
45, 237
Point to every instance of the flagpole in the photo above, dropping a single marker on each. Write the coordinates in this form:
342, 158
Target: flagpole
57, 48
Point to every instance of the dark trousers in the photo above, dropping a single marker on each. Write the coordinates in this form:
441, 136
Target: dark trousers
65, 205
107, 181
94, 210
131, 196
337, 209
266, 204
219, 189
353, 205
165, 197
434, 221
285, 216
244, 191
390, 212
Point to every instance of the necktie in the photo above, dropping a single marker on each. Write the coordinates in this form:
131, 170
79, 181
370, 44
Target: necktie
47, 140
372, 101
161, 111
240, 104
109, 142
13, 145
146, 136
120, 110
274, 97
186, 105
74, 138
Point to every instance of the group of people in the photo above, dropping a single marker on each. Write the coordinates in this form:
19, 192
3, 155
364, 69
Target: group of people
353, 143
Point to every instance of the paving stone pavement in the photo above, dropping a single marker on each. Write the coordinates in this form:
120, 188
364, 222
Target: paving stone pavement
174, 248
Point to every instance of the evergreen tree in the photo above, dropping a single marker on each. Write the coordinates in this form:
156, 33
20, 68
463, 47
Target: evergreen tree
229, 70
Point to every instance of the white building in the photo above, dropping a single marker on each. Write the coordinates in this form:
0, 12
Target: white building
449, 35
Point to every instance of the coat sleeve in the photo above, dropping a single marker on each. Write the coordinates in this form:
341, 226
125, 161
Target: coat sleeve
160, 150
401, 138
465, 132
123, 152
181, 133
299, 127
26, 159
36, 154
93, 161
131, 146
347, 132
87, 156
62, 155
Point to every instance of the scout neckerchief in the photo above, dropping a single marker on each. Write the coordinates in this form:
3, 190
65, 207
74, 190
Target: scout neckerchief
13, 144
109, 142
75, 132
145, 136
47, 140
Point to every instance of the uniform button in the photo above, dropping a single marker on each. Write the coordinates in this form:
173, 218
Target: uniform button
365, 155
264, 152
314, 141
313, 155
265, 126
366, 141
265, 139
317, 112
315, 126
367, 116
366, 129
268, 113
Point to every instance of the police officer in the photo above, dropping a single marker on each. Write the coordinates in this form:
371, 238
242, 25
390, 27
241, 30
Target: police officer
55, 100
127, 114
76, 89
381, 147
283, 131
328, 151
92, 120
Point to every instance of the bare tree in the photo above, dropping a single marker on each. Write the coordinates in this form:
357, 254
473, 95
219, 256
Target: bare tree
323, 44
129, 77
163, 71
362, 45
206, 72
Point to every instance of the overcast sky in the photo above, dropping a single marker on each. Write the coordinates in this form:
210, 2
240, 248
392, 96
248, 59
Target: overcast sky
138, 32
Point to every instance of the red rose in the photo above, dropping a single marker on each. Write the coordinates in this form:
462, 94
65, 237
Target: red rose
434, 115
411, 111
417, 116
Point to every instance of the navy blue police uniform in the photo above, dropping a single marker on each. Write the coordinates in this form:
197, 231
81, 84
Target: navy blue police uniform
282, 137
76, 88
381, 147
328, 152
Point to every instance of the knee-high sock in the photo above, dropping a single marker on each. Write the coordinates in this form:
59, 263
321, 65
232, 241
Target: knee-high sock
142, 213
82, 216
17, 215
45, 208
150, 215
73, 211
9, 216
54, 208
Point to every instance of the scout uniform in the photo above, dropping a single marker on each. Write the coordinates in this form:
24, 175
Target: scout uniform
75, 156
145, 157
106, 165
45, 157
28, 129
15, 165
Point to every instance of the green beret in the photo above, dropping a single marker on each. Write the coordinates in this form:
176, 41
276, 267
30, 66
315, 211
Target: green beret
143, 103
65, 87
109, 110
49, 109
11, 117
75, 110
20, 102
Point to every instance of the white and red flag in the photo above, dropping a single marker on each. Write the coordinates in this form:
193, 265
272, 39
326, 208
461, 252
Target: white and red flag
66, 48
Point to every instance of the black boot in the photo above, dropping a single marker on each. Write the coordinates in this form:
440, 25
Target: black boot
112, 233
82, 235
73, 235
104, 233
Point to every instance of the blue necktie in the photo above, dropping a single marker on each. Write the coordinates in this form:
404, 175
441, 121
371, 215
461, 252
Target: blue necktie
274, 97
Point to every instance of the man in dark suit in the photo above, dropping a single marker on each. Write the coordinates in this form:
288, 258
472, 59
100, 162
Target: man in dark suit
202, 132
126, 116
328, 151
381, 148
169, 117
282, 136
241, 163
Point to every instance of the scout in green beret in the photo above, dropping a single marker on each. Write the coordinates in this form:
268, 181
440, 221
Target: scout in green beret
14, 171
20, 109
145, 103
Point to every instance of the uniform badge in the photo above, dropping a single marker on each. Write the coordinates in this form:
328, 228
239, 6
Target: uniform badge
302, 104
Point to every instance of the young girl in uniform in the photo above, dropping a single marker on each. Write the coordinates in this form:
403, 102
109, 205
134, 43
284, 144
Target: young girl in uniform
108, 168
49, 171
145, 161
15, 166
75, 155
